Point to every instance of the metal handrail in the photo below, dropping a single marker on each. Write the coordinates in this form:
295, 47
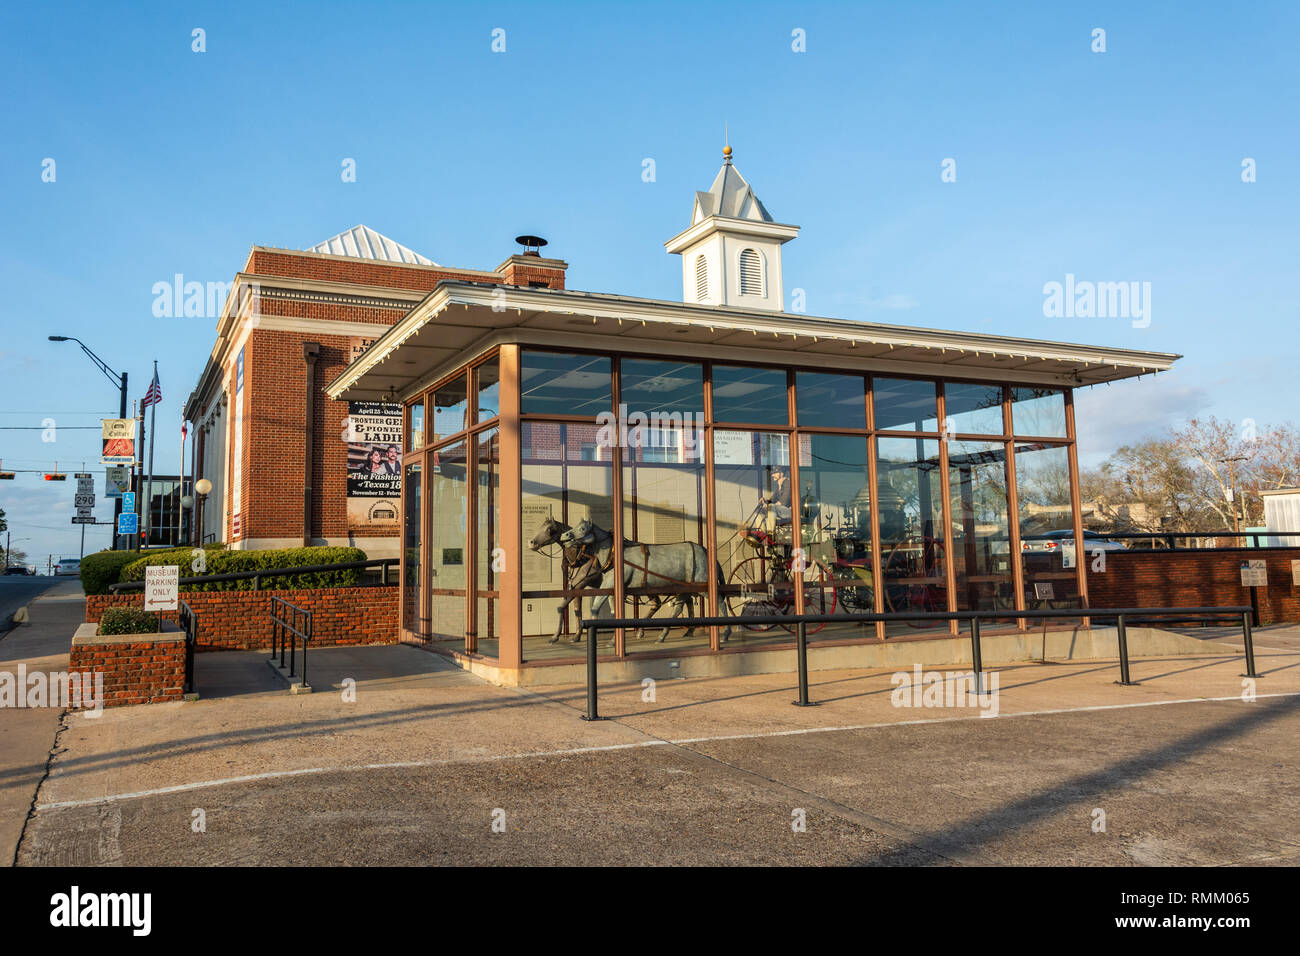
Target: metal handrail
593, 626
385, 563
285, 623
190, 625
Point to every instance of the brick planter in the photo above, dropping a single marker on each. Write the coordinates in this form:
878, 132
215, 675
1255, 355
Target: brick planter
240, 620
136, 668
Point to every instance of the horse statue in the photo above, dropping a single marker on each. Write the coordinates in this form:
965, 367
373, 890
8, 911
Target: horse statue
589, 563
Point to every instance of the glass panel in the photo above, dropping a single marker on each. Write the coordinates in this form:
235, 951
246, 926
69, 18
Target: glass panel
751, 395
567, 477
560, 384
836, 532
487, 380
1048, 550
447, 513
1038, 411
831, 401
909, 501
415, 433
753, 497
666, 570
411, 541
973, 409
491, 555
450, 409
905, 405
981, 533
665, 388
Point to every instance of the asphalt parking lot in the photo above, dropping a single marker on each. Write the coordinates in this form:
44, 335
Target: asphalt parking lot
430, 765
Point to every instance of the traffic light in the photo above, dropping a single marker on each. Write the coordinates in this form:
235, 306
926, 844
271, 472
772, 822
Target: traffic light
55, 476
6, 476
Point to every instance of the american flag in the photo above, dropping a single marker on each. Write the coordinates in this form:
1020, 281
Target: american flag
154, 395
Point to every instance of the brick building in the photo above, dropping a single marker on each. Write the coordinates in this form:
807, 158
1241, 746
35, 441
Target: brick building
290, 467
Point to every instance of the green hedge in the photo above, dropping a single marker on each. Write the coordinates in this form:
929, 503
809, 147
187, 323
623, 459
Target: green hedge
128, 620
103, 568
228, 562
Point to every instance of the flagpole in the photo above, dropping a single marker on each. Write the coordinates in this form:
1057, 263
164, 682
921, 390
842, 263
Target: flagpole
148, 487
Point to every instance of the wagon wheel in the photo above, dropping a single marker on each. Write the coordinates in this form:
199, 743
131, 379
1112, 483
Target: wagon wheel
913, 597
749, 595
818, 595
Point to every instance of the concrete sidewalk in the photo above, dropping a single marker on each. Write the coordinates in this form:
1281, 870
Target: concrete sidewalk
27, 735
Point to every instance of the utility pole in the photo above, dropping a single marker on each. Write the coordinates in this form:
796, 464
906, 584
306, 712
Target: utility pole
1232, 489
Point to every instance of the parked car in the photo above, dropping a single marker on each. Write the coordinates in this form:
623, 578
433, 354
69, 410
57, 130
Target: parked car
17, 569
1051, 542
68, 566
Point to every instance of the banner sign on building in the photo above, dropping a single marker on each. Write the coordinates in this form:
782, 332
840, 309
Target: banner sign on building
118, 441
374, 439
237, 476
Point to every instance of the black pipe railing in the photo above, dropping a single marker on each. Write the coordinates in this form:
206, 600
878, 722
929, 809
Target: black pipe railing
190, 625
593, 626
289, 624
256, 576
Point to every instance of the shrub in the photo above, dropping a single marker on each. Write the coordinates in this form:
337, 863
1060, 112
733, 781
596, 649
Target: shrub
128, 620
103, 568
227, 562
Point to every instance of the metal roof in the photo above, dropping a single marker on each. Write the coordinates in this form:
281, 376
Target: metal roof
362, 242
458, 317
730, 197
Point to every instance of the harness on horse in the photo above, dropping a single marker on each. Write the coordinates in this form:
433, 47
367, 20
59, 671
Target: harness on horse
584, 562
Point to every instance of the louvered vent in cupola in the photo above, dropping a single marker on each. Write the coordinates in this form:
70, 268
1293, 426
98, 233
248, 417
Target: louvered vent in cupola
751, 273
701, 279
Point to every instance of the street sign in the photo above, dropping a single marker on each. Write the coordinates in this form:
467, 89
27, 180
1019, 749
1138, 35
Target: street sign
83, 474
85, 485
128, 502
117, 479
83, 519
84, 500
128, 522
161, 587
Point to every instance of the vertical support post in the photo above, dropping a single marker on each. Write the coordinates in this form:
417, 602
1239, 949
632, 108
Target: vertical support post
1121, 630
801, 629
509, 583
593, 634
976, 658
1249, 641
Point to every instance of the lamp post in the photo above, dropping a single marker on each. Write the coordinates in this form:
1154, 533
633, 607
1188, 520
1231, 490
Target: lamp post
118, 380
202, 488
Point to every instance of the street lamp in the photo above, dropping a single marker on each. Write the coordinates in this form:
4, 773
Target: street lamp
120, 381
202, 488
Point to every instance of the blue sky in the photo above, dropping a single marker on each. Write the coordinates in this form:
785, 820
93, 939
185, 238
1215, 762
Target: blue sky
1115, 166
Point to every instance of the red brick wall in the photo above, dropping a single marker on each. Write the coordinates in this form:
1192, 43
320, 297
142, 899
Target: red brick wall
1195, 579
136, 671
241, 620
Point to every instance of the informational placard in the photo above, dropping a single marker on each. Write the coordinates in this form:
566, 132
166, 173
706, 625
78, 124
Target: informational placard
1295, 574
1044, 591
118, 436
128, 523
1068, 554
374, 456
117, 481
1254, 573
161, 587
733, 448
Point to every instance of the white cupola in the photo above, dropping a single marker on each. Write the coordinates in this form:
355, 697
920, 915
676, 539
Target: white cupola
731, 254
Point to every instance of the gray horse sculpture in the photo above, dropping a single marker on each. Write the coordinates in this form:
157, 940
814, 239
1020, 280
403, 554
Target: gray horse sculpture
644, 566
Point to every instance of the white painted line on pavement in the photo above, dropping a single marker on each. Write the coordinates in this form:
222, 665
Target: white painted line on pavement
573, 751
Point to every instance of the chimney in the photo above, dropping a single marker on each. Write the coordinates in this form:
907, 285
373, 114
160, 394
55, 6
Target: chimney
530, 269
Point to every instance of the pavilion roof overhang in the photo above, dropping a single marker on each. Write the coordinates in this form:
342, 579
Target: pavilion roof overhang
458, 318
